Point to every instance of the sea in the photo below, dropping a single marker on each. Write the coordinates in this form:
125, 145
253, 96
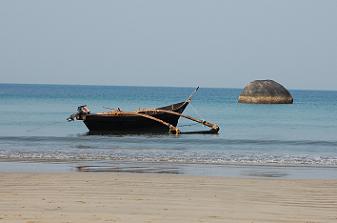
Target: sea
288, 141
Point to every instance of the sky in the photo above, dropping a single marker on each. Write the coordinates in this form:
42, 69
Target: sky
210, 43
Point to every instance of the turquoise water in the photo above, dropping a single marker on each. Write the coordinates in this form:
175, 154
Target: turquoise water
33, 127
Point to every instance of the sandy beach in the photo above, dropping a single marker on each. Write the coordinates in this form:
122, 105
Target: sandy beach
128, 197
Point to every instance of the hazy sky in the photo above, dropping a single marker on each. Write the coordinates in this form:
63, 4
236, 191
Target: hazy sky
169, 43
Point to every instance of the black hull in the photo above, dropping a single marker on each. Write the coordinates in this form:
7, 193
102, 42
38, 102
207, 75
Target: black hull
102, 124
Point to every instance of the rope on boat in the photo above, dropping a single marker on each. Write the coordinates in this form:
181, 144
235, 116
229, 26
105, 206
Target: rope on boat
196, 111
189, 99
187, 125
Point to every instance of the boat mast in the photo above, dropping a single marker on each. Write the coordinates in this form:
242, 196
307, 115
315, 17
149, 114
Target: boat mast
189, 99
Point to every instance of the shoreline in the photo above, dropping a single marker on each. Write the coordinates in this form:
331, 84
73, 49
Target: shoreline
206, 170
132, 197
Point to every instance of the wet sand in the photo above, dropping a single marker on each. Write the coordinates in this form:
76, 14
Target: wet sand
131, 197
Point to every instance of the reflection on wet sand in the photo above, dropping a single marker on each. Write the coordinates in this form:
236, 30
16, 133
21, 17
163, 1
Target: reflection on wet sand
130, 169
261, 173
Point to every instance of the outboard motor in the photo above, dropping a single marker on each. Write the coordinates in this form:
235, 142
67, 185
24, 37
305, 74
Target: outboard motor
82, 111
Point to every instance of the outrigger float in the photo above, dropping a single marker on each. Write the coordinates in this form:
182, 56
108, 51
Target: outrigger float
141, 121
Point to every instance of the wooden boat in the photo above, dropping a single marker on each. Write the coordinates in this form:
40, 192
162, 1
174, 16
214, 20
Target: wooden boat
155, 120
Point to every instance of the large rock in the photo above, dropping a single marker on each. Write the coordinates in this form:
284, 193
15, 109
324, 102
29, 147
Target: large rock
265, 92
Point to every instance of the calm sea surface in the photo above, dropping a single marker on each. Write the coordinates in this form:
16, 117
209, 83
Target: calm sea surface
33, 128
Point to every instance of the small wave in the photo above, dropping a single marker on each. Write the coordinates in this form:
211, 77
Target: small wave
171, 149
182, 158
167, 139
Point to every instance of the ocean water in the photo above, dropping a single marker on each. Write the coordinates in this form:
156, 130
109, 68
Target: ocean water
33, 128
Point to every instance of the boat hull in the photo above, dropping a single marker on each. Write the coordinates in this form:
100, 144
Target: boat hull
104, 124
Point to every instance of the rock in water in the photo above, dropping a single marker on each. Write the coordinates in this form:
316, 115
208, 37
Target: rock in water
265, 92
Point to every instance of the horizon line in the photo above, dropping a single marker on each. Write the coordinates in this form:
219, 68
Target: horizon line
149, 86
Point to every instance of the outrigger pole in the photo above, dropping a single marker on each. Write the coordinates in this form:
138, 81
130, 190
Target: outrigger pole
214, 128
172, 129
